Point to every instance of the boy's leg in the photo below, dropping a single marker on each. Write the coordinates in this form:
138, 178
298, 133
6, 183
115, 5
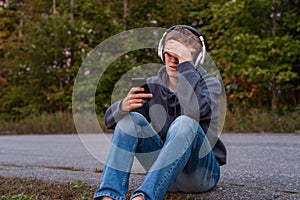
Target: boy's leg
202, 171
129, 135
172, 159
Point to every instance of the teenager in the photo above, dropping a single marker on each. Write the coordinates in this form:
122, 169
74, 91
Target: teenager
172, 130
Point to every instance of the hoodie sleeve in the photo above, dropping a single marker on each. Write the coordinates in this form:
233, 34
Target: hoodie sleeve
197, 92
113, 114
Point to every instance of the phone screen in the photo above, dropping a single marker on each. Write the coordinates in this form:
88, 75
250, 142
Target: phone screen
140, 82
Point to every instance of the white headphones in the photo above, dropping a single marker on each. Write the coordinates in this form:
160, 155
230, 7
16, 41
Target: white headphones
201, 57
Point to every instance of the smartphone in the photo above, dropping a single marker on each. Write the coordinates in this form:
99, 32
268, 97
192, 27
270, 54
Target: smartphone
140, 82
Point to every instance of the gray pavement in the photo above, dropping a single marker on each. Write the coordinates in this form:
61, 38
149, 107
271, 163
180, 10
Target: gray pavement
260, 166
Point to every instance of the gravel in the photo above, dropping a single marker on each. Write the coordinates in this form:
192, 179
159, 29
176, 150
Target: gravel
260, 166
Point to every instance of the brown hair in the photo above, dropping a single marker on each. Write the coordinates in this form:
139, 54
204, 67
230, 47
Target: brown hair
185, 36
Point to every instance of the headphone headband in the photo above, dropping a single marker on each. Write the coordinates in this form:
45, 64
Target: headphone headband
190, 28
201, 57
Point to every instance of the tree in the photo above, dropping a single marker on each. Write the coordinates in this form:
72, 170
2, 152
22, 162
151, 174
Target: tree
256, 60
43, 44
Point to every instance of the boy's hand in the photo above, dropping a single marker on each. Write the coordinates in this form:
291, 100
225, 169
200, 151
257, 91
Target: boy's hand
178, 50
134, 99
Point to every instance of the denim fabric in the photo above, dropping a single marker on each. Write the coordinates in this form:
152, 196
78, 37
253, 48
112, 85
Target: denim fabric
173, 165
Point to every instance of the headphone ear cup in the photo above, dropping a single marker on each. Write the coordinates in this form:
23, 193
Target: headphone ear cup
198, 58
160, 49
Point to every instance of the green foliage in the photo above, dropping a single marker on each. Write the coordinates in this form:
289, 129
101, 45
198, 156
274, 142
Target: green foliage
298, 109
187, 197
45, 123
15, 106
258, 120
256, 49
254, 43
78, 184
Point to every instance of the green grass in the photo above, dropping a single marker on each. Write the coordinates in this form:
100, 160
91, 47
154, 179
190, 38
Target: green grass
19, 197
13, 188
60, 122
254, 120
46, 123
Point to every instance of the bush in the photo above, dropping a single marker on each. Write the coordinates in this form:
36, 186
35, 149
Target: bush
46, 123
258, 120
253, 120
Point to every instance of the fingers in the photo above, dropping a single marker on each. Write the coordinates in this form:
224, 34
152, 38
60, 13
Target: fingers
134, 90
175, 46
178, 50
134, 100
135, 103
172, 47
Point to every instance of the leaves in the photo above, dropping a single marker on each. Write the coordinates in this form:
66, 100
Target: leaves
254, 43
250, 56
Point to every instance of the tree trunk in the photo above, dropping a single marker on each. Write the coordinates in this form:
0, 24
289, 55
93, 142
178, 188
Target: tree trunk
125, 9
274, 95
54, 6
274, 17
20, 34
72, 4
274, 92
55, 33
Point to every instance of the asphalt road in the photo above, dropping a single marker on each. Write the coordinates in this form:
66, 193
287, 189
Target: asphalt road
260, 166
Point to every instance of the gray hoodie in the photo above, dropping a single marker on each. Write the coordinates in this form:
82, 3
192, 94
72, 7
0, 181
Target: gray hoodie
197, 96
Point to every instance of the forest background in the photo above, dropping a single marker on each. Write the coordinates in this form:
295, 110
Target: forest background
255, 45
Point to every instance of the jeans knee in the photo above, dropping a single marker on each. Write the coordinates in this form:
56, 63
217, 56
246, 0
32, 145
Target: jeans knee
185, 119
184, 127
186, 122
138, 119
132, 124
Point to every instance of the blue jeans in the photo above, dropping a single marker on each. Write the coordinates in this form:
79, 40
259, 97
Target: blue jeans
185, 162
